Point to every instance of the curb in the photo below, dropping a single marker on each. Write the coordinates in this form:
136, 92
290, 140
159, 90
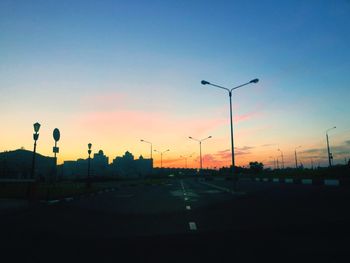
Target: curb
325, 182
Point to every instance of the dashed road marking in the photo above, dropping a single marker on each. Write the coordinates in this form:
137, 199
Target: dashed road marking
306, 181
193, 226
53, 202
186, 199
188, 207
331, 182
68, 199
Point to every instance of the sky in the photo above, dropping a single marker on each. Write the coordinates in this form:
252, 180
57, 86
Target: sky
115, 72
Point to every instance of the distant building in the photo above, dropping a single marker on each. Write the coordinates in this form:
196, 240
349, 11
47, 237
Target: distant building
99, 164
127, 166
79, 168
18, 164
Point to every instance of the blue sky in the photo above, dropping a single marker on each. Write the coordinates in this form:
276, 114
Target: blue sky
63, 60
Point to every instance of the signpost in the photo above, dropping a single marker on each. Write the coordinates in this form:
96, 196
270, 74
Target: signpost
56, 137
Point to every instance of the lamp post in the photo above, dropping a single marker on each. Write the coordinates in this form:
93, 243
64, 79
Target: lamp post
281, 157
200, 149
204, 82
150, 144
274, 162
330, 156
184, 157
56, 137
295, 155
35, 137
161, 156
89, 159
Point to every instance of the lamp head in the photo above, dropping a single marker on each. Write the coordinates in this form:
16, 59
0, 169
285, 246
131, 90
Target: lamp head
204, 82
254, 81
190, 137
36, 127
209, 136
89, 146
142, 140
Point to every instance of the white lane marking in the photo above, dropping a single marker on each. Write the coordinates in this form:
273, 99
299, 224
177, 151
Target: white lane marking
53, 202
186, 199
265, 179
275, 180
331, 182
306, 181
185, 194
188, 207
288, 180
68, 199
257, 179
193, 226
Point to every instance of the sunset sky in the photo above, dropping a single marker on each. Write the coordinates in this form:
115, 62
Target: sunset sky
114, 72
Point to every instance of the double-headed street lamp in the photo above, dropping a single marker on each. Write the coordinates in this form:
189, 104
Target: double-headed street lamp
161, 156
295, 155
185, 157
281, 157
35, 137
200, 150
330, 156
204, 82
150, 144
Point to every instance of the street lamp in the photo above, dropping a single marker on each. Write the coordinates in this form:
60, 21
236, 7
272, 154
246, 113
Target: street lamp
282, 158
330, 156
204, 82
184, 157
56, 136
150, 144
296, 159
200, 149
35, 137
89, 159
274, 162
161, 156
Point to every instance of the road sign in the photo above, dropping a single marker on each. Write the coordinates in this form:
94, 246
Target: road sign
56, 134
56, 149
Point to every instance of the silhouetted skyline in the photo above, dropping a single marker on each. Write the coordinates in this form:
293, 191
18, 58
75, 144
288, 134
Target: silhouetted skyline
112, 73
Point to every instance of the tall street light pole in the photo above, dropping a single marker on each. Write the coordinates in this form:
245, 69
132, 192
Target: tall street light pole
89, 159
204, 82
151, 147
161, 156
200, 149
295, 155
281, 157
35, 137
330, 156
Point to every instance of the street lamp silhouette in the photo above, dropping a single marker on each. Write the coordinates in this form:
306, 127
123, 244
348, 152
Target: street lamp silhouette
56, 136
295, 155
161, 156
200, 149
184, 157
35, 137
89, 159
330, 156
282, 158
204, 82
274, 162
151, 146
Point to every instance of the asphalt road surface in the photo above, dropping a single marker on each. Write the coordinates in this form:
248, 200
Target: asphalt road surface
185, 220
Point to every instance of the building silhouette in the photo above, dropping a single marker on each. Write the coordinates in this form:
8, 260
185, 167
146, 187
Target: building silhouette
17, 164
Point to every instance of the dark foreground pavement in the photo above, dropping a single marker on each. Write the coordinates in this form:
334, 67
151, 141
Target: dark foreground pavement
185, 220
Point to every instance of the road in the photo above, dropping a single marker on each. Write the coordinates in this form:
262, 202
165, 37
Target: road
186, 220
